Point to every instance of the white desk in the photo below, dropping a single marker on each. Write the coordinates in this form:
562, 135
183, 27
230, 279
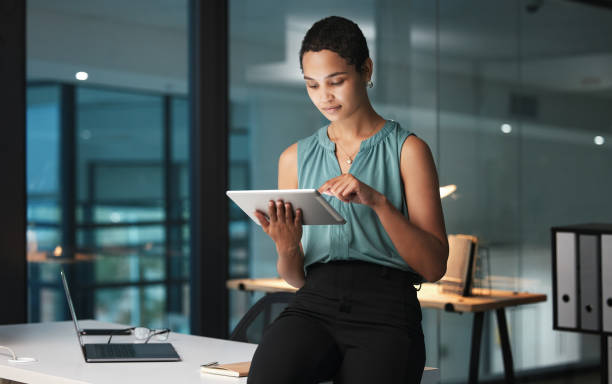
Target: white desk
60, 360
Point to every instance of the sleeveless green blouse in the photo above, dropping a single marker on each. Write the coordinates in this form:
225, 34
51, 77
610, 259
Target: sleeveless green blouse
363, 237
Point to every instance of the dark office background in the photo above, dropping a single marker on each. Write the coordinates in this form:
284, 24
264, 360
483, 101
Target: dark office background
120, 179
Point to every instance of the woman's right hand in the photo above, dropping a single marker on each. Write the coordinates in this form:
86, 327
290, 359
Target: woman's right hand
283, 226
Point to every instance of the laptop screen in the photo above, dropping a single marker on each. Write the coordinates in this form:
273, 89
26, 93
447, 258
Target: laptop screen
71, 307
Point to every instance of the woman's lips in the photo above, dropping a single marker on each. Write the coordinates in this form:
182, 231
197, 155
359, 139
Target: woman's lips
332, 109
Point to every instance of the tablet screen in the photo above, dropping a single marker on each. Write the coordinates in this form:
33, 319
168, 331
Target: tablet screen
315, 209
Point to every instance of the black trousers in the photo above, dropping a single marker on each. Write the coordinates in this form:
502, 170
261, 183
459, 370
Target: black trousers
352, 322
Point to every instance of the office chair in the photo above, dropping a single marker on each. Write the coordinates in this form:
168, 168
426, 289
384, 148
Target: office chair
251, 327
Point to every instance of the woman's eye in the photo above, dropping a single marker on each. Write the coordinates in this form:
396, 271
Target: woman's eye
313, 86
337, 83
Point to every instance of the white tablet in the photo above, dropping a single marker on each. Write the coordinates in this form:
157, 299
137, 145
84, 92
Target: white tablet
315, 209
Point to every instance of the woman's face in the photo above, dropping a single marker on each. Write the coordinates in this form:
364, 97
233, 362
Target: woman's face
334, 86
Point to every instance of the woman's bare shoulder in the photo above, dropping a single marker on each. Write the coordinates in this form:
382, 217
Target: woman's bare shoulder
289, 154
414, 147
417, 164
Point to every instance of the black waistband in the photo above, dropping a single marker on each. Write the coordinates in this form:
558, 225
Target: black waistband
369, 268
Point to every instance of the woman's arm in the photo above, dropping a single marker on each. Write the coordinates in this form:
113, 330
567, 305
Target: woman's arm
290, 264
421, 239
284, 227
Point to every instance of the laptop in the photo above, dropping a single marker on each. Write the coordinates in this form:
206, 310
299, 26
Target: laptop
117, 352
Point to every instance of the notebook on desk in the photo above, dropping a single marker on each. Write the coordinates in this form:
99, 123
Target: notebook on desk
118, 352
233, 369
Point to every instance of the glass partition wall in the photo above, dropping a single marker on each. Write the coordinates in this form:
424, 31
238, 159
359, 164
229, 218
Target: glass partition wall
513, 97
107, 155
44, 199
122, 240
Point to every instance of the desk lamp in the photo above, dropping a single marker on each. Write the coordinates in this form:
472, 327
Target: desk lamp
447, 190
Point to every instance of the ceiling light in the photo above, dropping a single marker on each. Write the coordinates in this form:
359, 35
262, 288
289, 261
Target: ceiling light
599, 140
86, 134
81, 76
506, 128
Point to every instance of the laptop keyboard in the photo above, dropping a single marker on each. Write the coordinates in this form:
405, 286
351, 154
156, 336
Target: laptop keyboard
114, 350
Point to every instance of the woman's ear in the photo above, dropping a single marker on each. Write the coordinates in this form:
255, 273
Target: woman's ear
366, 69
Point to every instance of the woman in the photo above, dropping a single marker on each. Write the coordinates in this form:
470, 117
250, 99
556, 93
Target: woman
356, 317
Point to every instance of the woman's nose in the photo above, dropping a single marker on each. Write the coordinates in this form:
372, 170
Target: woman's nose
327, 96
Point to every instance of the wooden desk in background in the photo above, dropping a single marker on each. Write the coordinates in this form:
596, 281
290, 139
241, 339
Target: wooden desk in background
430, 296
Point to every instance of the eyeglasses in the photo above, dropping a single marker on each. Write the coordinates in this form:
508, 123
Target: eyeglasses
142, 333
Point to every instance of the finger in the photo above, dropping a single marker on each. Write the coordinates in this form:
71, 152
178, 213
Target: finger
340, 194
348, 191
337, 189
323, 189
288, 213
328, 184
272, 212
298, 216
262, 220
280, 211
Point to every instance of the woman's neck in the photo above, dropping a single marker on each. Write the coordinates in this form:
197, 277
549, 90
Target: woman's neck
358, 126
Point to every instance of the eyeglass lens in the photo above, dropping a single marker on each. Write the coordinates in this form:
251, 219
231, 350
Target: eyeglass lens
142, 333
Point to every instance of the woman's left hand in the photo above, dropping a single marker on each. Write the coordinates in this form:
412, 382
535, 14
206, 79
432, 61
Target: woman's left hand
349, 189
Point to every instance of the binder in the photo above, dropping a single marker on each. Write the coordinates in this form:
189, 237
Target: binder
606, 282
609, 366
462, 254
589, 282
565, 259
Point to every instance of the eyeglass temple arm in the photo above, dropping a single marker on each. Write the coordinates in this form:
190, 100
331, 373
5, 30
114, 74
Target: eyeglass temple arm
156, 333
118, 331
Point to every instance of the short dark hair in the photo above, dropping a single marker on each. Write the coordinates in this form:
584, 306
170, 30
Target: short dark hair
339, 35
